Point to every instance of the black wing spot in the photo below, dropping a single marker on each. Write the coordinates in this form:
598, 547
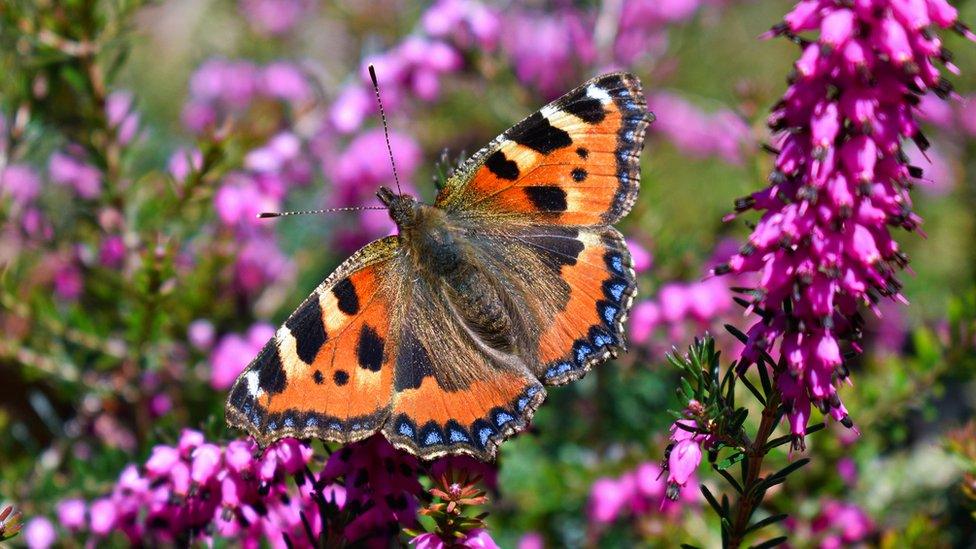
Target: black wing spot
502, 167
579, 175
271, 376
587, 109
582, 152
340, 377
538, 134
547, 198
345, 293
308, 329
317, 377
413, 364
369, 350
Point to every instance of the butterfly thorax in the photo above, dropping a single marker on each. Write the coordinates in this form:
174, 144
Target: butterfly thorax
446, 259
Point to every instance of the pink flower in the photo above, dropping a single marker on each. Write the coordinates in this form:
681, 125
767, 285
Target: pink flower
722, 133
233, 352
545, 48
71, 514
183, 162
275, 17
609, 498
39, 533
823, 243
641, 256
121, 116
19, 182
102, 516
70, 170
532, 540
201, 334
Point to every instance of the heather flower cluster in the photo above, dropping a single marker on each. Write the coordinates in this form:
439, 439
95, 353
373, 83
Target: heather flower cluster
641, 493
838, 524
197, 489
823, 246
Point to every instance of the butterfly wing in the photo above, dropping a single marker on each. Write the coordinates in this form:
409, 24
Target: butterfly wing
575, 162
575, 286
452, 392
328, 371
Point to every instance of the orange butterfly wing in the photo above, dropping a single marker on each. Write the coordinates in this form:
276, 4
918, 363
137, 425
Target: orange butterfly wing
574, 162
328, 371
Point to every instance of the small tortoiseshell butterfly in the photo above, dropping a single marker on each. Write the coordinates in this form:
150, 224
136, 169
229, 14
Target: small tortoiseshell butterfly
443, 336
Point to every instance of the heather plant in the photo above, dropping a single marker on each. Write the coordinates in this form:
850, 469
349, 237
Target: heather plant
778, 388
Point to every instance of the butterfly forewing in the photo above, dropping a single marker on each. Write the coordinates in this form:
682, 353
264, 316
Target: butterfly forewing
328, 371
574, 162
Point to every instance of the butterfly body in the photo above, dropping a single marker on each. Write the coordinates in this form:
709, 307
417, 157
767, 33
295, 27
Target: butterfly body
443, 336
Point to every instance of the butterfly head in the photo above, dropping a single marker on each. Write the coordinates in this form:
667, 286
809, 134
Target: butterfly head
404, 209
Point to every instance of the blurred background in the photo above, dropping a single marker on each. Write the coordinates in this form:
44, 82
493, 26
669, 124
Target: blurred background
139, 140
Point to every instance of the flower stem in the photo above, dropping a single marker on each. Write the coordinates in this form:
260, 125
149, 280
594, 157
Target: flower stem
751, 497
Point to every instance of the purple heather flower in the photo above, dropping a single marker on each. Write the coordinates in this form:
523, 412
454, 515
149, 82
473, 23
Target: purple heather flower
609, 498
547, 49
111, 254
721, 133
184, 161
102, 516
644, 319
233, 352
201, 334
475, 539
39, 533
121, 116
20, 182
286, 81
389, 490
531, 540
196, 484
68, 282
840, 182
275, 17
467, 23
70, 170
71, 514
643, 260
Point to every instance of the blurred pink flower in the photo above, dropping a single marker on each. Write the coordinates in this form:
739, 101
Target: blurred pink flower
275, 17
183, 161
20, 182
71, 514
39, 533
548, 49
233, 352
468, 23
531, 540
201, 333
286, 81
111, 254
722, 133
643, 260
68, 282
70, 170
121, 116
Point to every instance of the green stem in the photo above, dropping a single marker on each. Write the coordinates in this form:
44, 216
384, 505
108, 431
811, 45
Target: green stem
749, 500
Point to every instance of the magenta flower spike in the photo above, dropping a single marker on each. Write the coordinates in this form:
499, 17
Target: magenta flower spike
823, 247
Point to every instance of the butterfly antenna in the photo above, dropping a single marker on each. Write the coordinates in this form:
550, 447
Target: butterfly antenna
386, 130
265, 215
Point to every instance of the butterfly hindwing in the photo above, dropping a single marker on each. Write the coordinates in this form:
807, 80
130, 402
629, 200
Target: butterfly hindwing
453, 394
328, 371
574, 162
576, 285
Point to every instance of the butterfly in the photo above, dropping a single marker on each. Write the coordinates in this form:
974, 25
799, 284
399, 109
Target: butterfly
444, 336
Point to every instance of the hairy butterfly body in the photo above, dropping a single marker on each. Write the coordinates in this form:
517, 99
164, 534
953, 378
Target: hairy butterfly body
443, 336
